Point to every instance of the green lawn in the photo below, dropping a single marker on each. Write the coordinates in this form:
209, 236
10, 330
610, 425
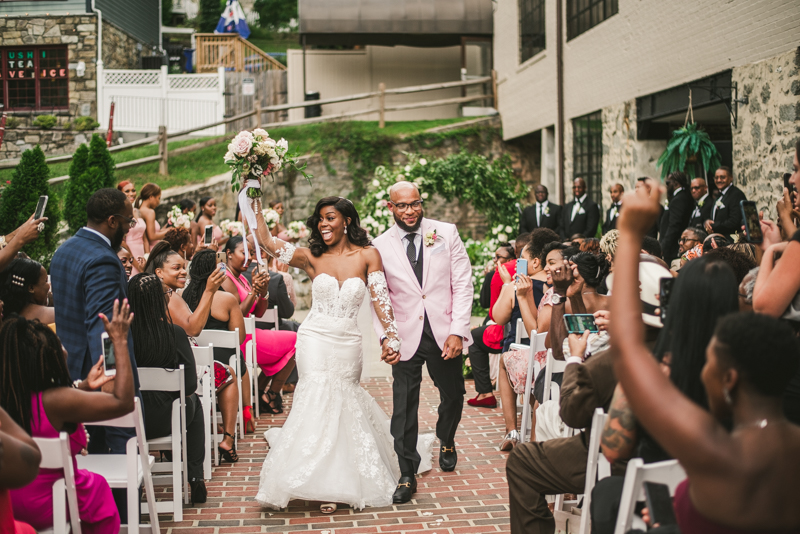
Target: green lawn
207, 162
274, 41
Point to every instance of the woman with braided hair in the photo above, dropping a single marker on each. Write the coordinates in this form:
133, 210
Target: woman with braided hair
24, 289
157, 342
37, 392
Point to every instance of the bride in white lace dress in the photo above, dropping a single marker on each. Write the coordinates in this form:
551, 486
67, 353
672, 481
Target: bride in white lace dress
335, 445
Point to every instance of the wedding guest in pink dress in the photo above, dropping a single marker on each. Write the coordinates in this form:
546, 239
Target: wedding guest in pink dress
147, 202
275, 348
134, 241
36, 391
208, 209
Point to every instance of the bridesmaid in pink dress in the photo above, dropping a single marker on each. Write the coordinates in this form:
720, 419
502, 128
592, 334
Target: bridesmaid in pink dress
147, 202
208, 209
37, 392
134, 239
275, 348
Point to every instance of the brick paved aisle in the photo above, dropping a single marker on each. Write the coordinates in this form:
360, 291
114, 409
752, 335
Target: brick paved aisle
472, 499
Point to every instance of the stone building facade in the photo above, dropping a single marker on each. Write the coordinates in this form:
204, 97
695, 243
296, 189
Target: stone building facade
632, 72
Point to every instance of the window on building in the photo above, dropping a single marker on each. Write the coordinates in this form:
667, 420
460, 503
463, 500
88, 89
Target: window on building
587, 152
583, 15
531, 28
34, 78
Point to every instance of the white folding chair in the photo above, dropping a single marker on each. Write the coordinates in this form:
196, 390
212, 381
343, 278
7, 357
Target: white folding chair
131, 473
537, 345
597, 467
551, 389
204, 360
170, 380
669, 472
521, 332
227, 340
250, 359
270, 315
56, 455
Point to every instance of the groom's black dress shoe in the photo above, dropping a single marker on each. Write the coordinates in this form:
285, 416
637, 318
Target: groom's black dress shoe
448, 457
406, 487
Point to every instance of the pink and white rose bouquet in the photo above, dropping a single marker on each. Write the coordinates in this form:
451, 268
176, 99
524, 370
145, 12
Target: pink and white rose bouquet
177, 219
271, 217
297, 230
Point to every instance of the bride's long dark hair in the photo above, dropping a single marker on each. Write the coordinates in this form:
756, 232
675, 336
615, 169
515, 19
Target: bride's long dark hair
357, 235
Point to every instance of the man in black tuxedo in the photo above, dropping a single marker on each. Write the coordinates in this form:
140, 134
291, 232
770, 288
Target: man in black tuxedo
726, 215
676, 216
581, 216
703, 203
616, 191
542, 214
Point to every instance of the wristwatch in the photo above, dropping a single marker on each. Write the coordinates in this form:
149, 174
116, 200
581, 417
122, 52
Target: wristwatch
556, 299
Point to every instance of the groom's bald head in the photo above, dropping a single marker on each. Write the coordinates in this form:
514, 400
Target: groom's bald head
404, 189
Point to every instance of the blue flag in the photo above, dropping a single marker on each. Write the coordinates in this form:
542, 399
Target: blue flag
232, 20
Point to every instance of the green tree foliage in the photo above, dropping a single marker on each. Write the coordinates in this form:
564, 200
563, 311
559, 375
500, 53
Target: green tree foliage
92, 168
275, 14
166, 12
18, 202
208, 17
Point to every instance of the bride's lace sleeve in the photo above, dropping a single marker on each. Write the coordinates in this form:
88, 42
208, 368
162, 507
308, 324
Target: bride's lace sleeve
277, 248
379, 294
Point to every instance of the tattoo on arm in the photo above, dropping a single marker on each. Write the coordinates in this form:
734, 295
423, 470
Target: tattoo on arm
620, 433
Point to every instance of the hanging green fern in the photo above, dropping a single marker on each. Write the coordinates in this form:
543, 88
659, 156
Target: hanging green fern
688, 142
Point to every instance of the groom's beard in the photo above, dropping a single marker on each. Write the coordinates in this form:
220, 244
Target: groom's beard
403, 226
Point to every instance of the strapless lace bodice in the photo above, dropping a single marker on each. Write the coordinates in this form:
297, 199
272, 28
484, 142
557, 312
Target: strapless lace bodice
327, 298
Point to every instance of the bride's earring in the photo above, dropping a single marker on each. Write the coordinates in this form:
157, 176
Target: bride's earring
345, 230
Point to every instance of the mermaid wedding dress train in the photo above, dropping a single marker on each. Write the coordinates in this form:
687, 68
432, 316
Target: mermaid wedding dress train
335, 445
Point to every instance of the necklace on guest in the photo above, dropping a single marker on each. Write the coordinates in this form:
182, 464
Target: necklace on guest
760, 424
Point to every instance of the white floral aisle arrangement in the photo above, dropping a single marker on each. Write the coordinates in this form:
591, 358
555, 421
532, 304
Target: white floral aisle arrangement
177, 219
297, 230
231, 228
271, 217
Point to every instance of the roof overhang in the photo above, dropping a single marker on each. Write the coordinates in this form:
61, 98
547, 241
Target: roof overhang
424, 23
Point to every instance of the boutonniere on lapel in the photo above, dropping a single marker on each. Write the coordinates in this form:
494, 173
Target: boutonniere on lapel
719, 205
700, 203
430, 238
546, 211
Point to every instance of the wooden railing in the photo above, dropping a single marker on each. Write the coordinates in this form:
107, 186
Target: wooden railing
229, 50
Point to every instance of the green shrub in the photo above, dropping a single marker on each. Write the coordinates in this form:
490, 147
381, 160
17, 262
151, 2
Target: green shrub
18, 202
85, 123
91, 169
100, 157
45, 122
12, 122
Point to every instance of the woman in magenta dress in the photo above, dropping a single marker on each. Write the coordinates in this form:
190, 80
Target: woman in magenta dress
208, 209
37, 392
275, 348
147, 202
134, 241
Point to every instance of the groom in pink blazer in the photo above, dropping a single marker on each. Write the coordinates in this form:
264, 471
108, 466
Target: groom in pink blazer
430, 286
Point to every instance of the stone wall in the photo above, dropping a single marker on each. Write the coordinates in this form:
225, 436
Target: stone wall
52, 142
120, 50
79, 33
768, 127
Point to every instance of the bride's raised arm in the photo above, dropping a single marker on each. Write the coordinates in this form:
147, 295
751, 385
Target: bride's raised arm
278, 248
381, 303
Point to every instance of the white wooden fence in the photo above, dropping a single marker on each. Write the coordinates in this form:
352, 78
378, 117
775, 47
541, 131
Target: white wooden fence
146, 99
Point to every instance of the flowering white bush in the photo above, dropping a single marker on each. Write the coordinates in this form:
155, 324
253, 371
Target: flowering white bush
271, 217
231, 228
297, 230
177, 219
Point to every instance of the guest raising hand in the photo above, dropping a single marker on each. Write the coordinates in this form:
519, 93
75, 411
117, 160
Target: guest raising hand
739, 481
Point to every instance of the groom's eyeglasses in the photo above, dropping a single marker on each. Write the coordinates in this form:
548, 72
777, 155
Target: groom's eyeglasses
416, 206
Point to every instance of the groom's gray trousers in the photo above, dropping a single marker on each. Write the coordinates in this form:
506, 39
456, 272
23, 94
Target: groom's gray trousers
449, 379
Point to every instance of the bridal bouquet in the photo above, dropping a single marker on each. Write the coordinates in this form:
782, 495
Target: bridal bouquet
297, 230
178, 219
271, 217
231, 228
252, 155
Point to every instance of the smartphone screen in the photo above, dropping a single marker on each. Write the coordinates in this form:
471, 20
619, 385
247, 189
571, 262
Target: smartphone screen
659, 504
109, 359
40, 206
522, 266
664, 292
578, 323
208, 234
752, 225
